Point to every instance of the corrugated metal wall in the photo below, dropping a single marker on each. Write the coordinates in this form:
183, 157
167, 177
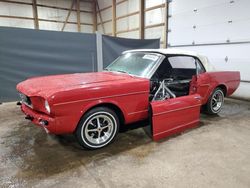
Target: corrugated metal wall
51, 18
128, 20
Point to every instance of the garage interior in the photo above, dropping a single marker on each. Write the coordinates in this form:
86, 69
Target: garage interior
41, 37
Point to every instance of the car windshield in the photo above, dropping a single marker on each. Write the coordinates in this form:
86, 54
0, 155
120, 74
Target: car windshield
135, 63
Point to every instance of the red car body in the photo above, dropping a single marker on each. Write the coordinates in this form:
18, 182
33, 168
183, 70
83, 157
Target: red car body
70, 96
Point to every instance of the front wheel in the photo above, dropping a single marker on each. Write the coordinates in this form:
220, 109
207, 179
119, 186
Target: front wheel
215, 102
97, 128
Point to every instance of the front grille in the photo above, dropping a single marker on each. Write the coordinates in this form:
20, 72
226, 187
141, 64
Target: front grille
25, 99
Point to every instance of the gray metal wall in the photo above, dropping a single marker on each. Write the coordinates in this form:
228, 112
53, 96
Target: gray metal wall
27, 53
112, 47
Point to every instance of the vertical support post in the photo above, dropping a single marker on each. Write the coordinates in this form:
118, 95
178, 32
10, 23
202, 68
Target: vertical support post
165, 43
78, 15
94, 17
142, 19
35, 14
114, 17
99, 52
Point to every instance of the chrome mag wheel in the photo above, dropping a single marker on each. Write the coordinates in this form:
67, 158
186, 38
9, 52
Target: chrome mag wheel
217, 100
97, 128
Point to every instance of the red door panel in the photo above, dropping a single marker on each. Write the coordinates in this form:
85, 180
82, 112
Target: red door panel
174, 115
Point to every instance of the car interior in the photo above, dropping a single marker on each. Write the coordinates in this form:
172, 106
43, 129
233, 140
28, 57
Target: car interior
172, 78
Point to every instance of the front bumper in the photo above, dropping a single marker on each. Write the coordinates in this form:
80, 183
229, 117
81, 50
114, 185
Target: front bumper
48, 123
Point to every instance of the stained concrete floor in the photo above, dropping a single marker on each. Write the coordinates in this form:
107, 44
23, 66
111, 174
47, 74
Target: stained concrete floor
216, 154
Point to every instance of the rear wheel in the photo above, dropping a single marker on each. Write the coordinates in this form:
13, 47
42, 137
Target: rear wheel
97, 128
215, 102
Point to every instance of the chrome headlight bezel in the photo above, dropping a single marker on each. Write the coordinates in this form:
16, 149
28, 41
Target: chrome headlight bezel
26, 100
47, 107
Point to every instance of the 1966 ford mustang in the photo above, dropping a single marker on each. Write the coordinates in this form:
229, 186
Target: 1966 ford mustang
165, 86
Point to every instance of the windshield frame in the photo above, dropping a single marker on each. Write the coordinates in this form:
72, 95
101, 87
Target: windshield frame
150, 72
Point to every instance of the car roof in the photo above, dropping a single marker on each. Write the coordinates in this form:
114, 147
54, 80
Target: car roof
172, 51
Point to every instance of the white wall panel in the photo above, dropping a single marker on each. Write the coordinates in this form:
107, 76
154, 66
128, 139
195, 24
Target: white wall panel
107, 27
85, 17
50, 26
57, 26
127, 7
155, 32
151, 3
61, 3
215, 21
180, 6
26, 1
11, 9
237, 54
99, 29
87, 28
132, 34
104, 3
155, 16
238, 59
10, 22
106, 14
70, 27
86, 6
243, 91
122, 9
54, 14
130, 22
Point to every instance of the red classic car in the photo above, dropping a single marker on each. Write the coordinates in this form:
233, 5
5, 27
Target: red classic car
165, 86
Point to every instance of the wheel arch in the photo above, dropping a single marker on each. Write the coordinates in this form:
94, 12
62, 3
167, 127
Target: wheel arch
113, 107
109, 105
223, 87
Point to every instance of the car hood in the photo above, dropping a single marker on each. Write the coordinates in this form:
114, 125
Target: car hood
47, 85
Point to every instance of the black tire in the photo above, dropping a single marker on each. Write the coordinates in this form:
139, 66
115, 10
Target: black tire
93, 135
214, 107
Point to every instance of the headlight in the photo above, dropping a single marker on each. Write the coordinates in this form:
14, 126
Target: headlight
46, 104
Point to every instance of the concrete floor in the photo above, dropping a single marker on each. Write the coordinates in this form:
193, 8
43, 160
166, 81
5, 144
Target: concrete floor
216, 154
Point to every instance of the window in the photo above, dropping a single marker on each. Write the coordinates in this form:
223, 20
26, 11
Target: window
182, 62
186, 62
135, 63
200, 68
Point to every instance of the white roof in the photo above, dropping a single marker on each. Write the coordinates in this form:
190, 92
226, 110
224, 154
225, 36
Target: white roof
204, 60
